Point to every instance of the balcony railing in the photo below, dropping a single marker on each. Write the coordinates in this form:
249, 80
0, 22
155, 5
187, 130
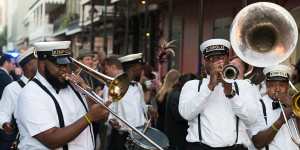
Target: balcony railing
41, 32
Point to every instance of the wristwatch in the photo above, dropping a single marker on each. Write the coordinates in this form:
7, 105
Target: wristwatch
231, 95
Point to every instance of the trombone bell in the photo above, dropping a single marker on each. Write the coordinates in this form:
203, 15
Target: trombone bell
118, 86
296, 104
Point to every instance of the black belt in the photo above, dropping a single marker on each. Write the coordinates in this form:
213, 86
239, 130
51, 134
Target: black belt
201, 146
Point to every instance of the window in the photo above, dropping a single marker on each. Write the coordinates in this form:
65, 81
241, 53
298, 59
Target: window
222, 27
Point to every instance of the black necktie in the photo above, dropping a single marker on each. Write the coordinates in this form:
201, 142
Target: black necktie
275, 105
132, 83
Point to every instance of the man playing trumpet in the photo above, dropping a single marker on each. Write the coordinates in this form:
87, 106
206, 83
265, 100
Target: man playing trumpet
214, 108
274, 134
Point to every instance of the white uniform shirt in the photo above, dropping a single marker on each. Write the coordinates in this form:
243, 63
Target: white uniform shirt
9, 99
131, 107
218, 113
282, 140
36, 113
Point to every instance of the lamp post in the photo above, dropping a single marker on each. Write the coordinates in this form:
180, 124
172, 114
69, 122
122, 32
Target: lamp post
92, 35
105, 30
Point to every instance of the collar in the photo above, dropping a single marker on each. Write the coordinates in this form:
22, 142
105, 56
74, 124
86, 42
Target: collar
24, 79
44, 82
275, 104
4, 70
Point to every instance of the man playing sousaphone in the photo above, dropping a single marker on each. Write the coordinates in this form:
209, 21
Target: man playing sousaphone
274, 134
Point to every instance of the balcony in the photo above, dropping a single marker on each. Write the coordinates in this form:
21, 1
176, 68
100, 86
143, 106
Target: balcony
73, 27
40, 33
66, 24
85, 17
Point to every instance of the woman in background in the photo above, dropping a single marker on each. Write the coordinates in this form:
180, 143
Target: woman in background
175, 125
171, 78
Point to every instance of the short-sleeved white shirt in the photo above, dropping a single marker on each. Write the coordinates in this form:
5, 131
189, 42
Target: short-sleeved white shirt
9, 99
36, 113
131, 107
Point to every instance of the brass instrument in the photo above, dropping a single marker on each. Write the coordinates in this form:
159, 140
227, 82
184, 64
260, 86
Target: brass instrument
117, 88
265, 34
230, 73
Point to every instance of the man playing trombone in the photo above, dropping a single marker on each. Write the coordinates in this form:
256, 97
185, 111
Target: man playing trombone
50, 113
274, 132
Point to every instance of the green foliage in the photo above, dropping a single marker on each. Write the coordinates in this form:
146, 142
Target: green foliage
67, 19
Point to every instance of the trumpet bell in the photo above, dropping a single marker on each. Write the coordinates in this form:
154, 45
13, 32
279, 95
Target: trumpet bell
296, 104
230, 73
263, 34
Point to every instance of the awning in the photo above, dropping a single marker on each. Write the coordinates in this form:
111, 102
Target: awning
56, 1
113, 1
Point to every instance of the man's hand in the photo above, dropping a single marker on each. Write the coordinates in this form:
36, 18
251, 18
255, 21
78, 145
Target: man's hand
98, 112
114, 123
288, 113
152, 113
215, 74
227, 88
8, 128
76, 79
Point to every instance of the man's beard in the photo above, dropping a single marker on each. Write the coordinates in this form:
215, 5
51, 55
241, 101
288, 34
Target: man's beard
54, 81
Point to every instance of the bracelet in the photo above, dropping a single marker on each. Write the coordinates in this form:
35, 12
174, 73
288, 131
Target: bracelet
87, 119
274, 128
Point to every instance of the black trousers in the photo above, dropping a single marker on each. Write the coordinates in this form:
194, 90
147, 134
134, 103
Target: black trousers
201, 146
118, 140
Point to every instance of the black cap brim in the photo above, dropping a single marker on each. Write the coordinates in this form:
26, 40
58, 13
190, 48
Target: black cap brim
215, 53
277, 78
62, 60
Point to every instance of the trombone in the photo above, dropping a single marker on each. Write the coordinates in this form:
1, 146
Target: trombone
117, 89
265, 34
296, 111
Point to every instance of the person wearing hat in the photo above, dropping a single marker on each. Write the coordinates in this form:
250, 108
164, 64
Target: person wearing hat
9, 98
86, 58
132, 65
131, 107
6, 67
213, 107
50, 113
274, 133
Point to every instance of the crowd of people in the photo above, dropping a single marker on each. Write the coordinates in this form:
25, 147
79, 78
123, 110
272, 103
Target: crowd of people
42, 108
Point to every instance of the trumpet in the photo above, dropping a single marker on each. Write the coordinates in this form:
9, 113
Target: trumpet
117, 88
230, 73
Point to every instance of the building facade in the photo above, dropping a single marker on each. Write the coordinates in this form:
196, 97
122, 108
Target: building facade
130, 26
